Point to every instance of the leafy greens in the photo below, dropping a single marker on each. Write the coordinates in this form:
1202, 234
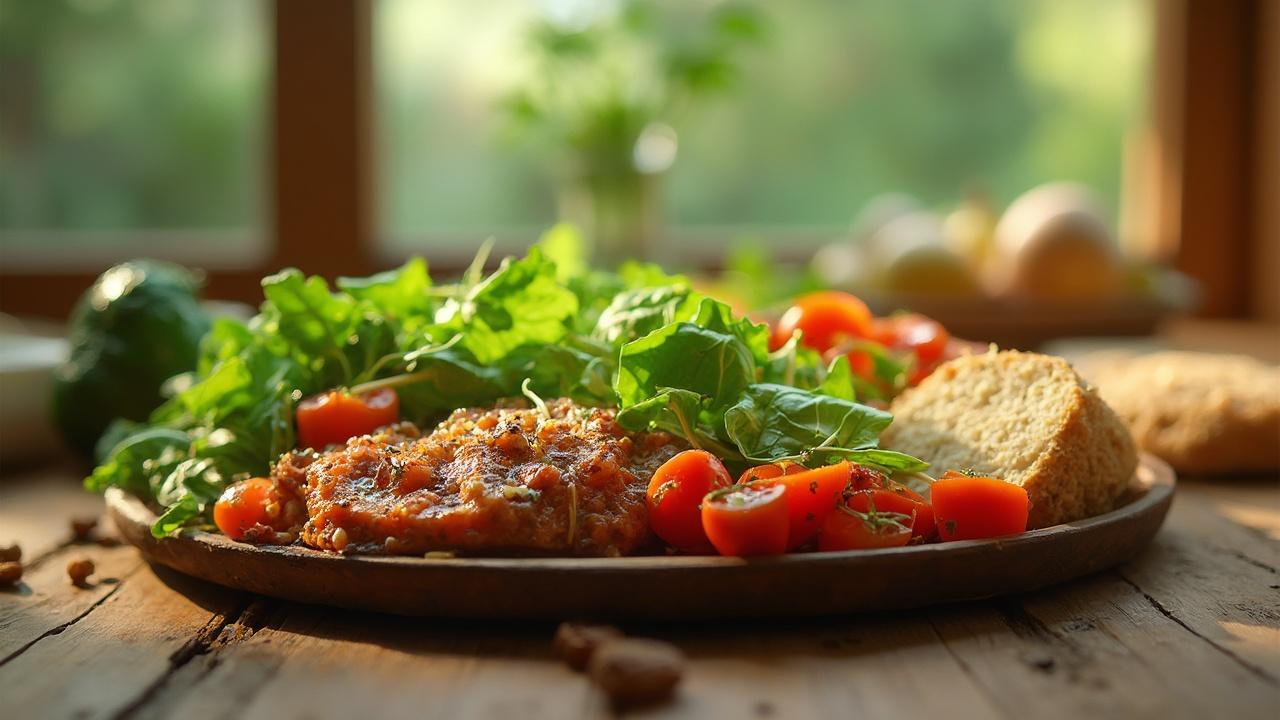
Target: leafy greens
638, 339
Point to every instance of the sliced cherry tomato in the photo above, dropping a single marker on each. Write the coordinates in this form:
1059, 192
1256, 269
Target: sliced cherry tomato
898, 499
824, 318
746, 520
770, 471
849, 529
812, 495
334, 417
971, 508
675, 497
256, 501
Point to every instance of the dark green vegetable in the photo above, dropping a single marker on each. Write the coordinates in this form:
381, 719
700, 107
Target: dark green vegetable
639, 339
137, 326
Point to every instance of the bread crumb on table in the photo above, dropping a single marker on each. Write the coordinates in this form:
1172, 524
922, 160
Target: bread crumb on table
79, 570
82, 528
12, 553
10, 573
634, 671
576, 642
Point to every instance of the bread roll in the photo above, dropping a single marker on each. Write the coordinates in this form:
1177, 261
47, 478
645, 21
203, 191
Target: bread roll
1200, 412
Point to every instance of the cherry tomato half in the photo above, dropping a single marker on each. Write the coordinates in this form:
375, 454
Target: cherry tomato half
811, 496
971, 508
334, 417
770, 471
746, 520
256, 501
824, 318
849, 529
675, 497
897, 499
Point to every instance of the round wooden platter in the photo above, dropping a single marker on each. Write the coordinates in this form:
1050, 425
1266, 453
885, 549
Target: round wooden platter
671, 588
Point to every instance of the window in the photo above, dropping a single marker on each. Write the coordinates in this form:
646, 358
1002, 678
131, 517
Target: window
139, 127
837, 103
445, 171
132, 127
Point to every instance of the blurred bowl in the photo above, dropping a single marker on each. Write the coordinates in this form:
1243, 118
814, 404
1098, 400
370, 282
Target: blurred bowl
27, 365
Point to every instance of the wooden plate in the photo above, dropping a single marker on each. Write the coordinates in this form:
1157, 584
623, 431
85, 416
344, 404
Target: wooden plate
668, 587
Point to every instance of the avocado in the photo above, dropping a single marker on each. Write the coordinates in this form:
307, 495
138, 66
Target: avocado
138, 325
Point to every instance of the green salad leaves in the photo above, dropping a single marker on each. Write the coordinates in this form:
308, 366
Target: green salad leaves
638, 339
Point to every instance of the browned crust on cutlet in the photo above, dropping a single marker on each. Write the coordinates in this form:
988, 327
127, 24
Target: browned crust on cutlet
504, 480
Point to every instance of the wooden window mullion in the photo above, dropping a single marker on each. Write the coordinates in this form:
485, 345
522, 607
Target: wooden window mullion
323, 209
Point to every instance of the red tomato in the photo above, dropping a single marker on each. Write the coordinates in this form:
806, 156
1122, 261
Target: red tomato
811, 496
862, 364
675, 497
865, 478
917, 333
334, 417
256, 501
860, 361
770, 471
848, 529
747, 520
971, 508
920, 372
824, 318
897, 499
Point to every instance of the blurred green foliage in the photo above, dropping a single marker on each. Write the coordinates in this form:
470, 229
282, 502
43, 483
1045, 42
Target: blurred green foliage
861, 98
124, 114
844, 100
590, 85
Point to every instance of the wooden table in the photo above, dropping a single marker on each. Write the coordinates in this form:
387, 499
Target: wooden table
1189, 629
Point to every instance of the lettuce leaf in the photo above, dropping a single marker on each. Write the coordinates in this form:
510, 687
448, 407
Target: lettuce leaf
775, 421
400, 295
639, 311
686, 356
520, 304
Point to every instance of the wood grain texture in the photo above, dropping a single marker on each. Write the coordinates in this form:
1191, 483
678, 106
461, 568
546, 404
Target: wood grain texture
36, 509
117, 652
671, 588
1185, 630
46, 600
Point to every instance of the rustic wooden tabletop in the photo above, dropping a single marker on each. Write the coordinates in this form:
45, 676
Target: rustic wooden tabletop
1191, 628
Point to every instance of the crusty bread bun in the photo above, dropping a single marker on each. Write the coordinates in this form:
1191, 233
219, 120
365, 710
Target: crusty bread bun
1200, 412
1023, 417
